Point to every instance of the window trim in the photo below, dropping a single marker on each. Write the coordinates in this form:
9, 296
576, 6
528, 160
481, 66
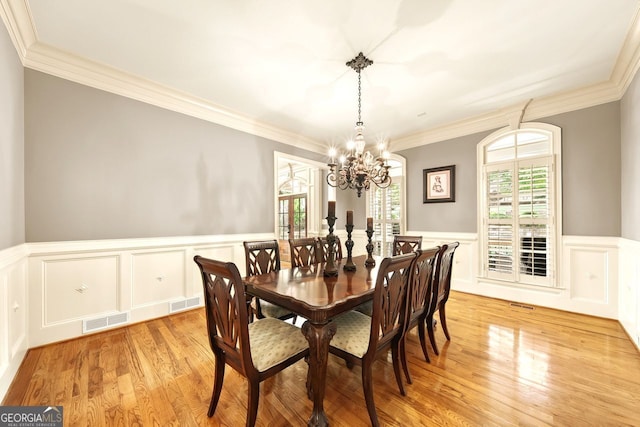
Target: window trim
555, 135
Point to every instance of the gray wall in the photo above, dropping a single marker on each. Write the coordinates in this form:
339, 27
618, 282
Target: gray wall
630, 168
590, 170
590, 173
102, 166
12, 228
459, 216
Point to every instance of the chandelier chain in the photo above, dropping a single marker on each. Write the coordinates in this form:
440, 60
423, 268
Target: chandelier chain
358, 169
359, 99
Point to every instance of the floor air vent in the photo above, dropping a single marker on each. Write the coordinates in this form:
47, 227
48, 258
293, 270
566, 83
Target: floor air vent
93, 325
518, 305
184, 304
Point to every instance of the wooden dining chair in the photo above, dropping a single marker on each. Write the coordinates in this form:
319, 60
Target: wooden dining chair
323, 248
406, 244
419, 301
261, 257
359, 339
257, 350
304, 252
441, 287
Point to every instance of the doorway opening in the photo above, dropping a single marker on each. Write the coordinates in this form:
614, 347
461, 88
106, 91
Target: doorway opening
298, 200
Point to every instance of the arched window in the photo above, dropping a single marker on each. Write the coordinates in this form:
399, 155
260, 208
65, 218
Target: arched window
520, 204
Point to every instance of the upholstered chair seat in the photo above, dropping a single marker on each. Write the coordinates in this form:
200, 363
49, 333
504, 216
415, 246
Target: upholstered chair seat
274, 341
352, 334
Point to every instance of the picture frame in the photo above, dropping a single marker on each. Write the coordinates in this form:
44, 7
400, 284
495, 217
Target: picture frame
439, 184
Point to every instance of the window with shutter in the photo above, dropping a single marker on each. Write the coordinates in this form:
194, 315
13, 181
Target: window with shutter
519, 203
385, 206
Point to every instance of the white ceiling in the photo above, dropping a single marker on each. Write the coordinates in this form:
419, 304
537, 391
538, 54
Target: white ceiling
280, 65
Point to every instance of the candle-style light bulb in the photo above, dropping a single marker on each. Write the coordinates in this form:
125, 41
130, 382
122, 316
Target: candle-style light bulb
332, 154
350, 145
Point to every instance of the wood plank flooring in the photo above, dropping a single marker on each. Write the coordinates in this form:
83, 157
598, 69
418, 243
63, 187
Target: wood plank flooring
505, 365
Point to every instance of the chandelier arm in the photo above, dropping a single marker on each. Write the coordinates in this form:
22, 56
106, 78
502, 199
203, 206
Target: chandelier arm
383, 184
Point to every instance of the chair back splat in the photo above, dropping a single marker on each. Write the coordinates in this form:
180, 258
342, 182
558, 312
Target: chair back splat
304, 252
419, 301
261, 257
323, 249
406, 244
360, 338
256, 350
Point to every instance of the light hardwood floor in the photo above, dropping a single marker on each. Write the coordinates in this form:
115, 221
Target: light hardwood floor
505, 365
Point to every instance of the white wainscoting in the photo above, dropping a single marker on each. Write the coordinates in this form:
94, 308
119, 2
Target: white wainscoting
14, 340
49, 290
464, 271
588, 274
72, 283
629, 288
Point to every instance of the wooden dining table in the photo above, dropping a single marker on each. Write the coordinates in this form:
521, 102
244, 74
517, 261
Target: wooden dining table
306, 292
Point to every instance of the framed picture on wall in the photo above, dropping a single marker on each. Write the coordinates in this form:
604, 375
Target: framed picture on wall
439, 184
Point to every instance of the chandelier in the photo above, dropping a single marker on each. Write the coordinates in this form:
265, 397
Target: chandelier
357, 169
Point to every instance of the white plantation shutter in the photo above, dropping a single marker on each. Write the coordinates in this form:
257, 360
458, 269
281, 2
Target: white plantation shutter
377, 204
519, 205
384, 207
499, 221
536, 220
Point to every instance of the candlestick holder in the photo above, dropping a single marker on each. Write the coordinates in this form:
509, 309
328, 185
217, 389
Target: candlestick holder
330, 269
370, 262
349, 265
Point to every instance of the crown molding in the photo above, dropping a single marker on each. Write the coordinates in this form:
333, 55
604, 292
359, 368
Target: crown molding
628, 60
47, 59
624, 70
41, 57
452, 130
50, 60
16, 16
589, 96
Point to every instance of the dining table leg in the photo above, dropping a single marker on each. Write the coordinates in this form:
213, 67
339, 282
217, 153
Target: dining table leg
318, 335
